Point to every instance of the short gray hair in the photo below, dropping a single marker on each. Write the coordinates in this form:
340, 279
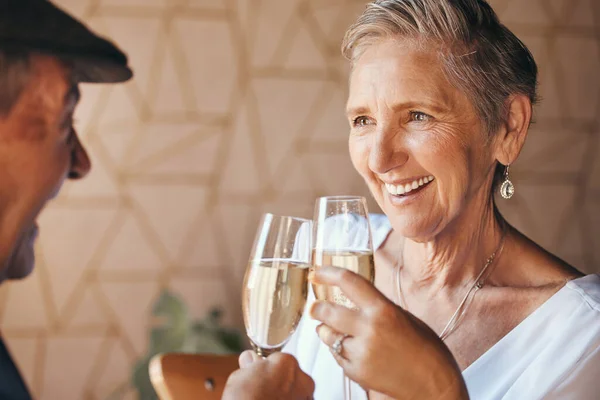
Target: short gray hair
480, 55
15, 71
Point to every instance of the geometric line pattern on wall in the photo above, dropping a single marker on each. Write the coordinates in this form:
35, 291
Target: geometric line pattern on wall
237, 109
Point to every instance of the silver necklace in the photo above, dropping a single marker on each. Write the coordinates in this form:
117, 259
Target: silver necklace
462, 309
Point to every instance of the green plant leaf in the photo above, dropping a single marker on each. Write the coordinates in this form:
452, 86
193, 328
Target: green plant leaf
141, 380
171, 324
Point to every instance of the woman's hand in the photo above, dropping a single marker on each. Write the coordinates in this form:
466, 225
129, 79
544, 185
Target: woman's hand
277, 377
387, 349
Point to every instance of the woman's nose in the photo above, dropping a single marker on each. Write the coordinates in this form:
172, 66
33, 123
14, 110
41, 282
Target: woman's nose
80, 161
387, 151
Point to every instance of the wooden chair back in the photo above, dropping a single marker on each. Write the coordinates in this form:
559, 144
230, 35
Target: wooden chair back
178, 376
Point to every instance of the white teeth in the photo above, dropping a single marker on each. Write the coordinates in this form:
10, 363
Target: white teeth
409, 187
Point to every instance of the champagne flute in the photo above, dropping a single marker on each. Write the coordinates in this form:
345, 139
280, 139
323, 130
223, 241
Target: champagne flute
275, 284
342, 238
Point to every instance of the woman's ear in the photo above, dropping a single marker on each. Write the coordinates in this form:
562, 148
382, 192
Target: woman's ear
511, 137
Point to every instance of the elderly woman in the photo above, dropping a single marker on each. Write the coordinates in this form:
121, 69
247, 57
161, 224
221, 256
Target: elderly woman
440, 102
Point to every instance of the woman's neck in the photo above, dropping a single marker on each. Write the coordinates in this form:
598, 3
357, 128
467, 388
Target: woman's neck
455, 257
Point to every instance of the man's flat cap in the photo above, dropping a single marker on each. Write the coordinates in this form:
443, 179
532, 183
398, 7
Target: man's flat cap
40, 26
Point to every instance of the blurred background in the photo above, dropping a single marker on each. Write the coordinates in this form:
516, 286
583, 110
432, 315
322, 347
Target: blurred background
237, 109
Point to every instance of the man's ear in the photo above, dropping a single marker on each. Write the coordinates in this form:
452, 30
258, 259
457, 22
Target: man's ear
510, 138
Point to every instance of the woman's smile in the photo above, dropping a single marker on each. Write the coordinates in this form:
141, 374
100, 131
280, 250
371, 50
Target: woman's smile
409, 190
405, 187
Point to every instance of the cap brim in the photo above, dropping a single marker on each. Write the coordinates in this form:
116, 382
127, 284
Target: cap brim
87, 70
39, 25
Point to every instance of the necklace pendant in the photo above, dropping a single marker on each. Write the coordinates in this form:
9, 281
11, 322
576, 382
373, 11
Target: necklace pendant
479, 282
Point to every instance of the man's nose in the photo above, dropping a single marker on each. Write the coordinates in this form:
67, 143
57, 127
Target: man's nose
80, 161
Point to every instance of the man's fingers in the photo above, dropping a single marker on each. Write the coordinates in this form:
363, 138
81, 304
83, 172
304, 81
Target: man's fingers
247, 358
280, 358
277, 376
306, 385
356, 288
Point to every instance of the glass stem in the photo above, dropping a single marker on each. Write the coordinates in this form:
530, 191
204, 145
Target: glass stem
347, 388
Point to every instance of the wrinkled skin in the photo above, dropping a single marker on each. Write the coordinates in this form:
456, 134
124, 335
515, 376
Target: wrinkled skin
409, 124
39, 149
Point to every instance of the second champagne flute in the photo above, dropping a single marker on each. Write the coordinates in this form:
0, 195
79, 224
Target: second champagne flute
342, 238
275, 285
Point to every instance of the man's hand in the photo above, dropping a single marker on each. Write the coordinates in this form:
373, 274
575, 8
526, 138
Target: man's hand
277, 377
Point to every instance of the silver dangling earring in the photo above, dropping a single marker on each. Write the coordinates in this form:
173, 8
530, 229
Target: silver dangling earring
507, 189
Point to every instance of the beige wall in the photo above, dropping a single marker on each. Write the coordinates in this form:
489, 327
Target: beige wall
236, 110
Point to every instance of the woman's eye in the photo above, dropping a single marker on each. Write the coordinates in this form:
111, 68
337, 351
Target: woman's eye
360, 121
417, 116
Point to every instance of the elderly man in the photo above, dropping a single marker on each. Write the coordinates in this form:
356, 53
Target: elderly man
44, 55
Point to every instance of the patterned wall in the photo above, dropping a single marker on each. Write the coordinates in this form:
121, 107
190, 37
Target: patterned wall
237, 110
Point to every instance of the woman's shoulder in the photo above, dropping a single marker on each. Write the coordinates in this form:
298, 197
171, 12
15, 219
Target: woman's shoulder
574, 312
553, 354
577, 303
572, 342
587, 290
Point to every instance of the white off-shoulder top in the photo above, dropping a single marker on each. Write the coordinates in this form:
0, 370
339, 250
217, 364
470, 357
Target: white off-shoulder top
553, 354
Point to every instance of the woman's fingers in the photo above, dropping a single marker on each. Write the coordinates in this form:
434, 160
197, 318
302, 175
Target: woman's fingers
340, 318
356, 288
329, 336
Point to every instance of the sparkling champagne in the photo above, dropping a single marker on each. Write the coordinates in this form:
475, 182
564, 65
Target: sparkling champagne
273, 300
356, 261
